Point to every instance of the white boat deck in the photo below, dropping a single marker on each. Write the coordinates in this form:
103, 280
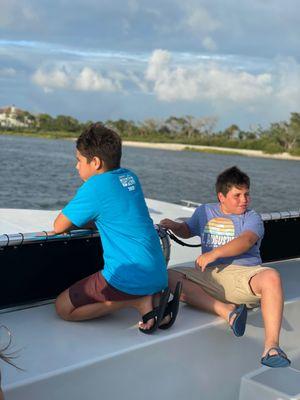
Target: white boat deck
52, 350
109, 358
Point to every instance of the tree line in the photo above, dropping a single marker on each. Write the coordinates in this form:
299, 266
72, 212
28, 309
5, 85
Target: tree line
277, 138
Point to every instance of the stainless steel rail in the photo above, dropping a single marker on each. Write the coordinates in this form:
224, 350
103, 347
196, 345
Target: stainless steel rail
18, 239
280, 215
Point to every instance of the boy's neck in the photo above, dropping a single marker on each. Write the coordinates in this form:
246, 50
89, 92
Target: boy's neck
103, 171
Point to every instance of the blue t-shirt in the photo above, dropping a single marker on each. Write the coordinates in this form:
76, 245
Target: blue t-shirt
133, 258
216, 229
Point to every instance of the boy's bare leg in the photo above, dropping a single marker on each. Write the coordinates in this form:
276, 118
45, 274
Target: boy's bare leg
68, 312
193, 294
268, 284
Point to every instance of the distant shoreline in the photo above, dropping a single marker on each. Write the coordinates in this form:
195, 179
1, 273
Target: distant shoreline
179, 147
211, 149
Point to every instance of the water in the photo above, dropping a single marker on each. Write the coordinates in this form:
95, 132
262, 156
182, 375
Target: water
40, 174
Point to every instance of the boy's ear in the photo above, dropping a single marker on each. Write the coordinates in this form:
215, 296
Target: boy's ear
221, 197
98, 162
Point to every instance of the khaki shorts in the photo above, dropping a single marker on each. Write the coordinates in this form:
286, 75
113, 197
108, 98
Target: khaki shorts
227, 283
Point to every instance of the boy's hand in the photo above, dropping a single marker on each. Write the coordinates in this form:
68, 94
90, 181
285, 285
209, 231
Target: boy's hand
205, 259
51, 233
168, 224
180, 229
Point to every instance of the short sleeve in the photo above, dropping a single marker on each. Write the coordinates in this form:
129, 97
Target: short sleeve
254, 223
84, 207
194, 223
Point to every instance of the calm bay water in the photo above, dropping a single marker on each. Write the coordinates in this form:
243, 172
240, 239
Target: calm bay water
41, 174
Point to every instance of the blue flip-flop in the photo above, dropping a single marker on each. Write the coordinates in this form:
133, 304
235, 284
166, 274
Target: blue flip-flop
278, 360
157, 313
239, 324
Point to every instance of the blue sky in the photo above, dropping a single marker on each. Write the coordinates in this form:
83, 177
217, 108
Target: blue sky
135, 59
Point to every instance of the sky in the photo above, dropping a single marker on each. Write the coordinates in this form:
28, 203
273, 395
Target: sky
236, 61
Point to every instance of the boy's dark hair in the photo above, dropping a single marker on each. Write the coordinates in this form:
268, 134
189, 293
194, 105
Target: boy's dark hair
231, 177
102, 142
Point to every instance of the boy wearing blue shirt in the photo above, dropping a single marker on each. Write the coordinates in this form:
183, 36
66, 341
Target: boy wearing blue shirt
134, 266
228, 276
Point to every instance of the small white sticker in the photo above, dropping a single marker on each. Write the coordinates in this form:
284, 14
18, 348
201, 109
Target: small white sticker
128, 182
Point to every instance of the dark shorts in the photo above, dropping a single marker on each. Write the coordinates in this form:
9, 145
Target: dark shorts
95, 289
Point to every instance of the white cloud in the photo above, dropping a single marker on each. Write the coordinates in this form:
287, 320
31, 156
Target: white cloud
234, 86
159, 62
89, 80
57, 78
84, 80
226, 85
209, 44
204, 81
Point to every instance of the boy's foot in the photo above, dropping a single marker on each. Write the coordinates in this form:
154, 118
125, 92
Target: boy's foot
153, 318
275, 357
237, 320
145, 308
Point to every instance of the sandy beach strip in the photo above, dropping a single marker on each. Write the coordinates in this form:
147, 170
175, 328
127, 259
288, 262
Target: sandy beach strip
180, 147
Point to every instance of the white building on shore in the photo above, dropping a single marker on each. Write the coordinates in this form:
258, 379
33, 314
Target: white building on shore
12, 117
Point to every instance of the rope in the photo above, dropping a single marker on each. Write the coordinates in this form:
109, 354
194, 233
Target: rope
175, 238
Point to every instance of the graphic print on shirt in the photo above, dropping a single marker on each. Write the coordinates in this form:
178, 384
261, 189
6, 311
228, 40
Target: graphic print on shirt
218, 231
128, 182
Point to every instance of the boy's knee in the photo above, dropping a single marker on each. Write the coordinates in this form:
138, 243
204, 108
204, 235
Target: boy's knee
271, 277
62, 308
60, 311
274, 275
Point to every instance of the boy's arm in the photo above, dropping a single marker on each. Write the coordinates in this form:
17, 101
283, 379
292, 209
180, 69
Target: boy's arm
80, 211
180, 229
237, 246
62, 224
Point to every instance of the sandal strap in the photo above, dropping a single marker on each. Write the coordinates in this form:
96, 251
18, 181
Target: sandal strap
151, 314
280, 352
168, 310
236, 311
